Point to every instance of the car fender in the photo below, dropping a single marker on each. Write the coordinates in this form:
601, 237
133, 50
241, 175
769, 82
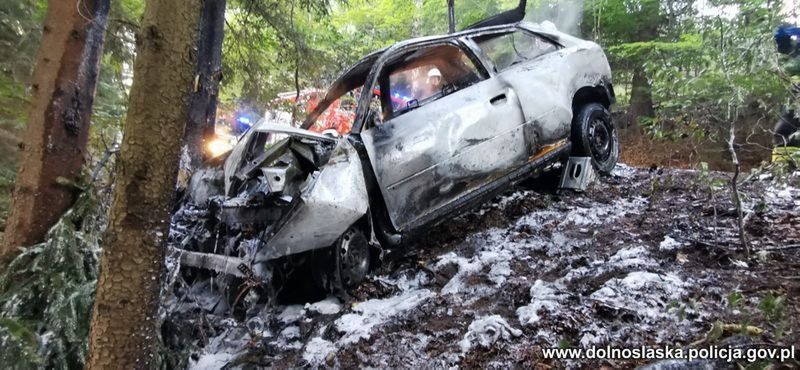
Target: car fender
590, 68
332, 200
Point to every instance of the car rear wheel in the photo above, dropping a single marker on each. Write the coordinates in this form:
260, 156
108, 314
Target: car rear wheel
594, 135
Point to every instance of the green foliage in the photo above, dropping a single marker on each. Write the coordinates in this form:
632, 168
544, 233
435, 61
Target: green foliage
7, 176
735, 299
46, 293
704, 178
709, 65
20, 23
267, 44
619, 21
716, 331
111, 94
19, 345
686, 46
772, 306
13, 97
751, 317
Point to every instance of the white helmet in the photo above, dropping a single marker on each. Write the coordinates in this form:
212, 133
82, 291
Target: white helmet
434, 73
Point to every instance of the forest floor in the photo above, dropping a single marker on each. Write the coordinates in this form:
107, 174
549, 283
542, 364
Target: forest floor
643, 257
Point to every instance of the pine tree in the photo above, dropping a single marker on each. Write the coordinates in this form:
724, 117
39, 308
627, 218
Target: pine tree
124, 323
46, 293
55, 139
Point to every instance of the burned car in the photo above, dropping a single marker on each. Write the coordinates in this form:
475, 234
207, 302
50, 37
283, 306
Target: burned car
441, 124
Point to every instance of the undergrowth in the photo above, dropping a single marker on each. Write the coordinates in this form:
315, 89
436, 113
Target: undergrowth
46, 293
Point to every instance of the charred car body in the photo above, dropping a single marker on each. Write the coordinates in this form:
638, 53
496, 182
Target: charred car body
510, 101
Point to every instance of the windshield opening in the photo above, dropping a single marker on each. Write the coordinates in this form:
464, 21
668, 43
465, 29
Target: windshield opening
348, 83
338, 116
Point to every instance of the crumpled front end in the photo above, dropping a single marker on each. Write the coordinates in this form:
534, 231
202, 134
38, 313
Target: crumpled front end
331, 200
276, 197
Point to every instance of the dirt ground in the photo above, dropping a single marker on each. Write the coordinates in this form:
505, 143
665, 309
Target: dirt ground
642, 258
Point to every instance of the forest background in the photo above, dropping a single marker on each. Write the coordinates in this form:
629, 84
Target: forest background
684, 70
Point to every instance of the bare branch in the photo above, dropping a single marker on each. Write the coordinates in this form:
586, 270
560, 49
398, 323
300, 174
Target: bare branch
734, 188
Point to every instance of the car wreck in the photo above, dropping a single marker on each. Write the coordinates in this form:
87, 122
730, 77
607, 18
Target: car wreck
503, 103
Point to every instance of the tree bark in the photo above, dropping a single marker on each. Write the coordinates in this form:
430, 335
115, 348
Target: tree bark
55, 139
641, 103
124, 319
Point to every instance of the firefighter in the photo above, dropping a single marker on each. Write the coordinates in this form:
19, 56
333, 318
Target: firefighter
786, 138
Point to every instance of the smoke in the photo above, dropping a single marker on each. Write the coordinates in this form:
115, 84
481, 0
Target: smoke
791, 10
567, 15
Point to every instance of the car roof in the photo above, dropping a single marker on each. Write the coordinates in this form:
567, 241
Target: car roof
355, 75
364, 65
455, 35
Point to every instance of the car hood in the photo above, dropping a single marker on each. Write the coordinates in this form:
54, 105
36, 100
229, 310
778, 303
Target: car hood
234, 161
270, 127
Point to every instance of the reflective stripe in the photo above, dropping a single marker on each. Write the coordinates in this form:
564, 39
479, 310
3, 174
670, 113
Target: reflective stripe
786, 153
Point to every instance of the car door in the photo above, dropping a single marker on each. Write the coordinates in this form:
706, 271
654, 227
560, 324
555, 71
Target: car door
432, 150
533, 67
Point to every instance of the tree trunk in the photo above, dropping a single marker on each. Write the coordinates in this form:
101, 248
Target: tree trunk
203, 107
641, 104
124, 319
55, 139
451, 17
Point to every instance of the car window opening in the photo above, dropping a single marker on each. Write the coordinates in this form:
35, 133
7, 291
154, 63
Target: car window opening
511, 48
425, 75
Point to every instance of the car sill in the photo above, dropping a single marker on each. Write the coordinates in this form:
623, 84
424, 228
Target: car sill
537, 161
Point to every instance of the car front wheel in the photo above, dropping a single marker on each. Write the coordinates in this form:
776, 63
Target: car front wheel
345, 265
352, 258
594, 135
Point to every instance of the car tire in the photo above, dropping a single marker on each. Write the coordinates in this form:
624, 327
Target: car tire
594, 135
346, 265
